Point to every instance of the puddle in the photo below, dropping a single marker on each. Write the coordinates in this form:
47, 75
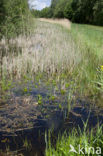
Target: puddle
37, 47
32, 111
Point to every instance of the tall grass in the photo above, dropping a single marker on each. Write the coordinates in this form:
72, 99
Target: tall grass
49, 49
89, 39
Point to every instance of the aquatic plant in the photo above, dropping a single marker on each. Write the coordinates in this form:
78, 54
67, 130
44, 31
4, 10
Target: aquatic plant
27, 144
25, 90
52, 98
39, 99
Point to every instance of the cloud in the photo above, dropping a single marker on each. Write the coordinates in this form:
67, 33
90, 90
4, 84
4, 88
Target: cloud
39, 4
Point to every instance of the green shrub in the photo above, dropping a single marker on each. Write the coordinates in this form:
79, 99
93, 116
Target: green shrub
13, 17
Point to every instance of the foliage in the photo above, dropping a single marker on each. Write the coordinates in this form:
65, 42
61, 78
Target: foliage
80, 11
13, 17
46, 12
2, 11
59, 9
98, 12
68, 11
36, 13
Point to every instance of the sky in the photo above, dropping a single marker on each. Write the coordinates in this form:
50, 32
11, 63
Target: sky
39, 4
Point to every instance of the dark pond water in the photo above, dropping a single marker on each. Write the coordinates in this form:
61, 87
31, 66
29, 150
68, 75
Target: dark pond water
33, 110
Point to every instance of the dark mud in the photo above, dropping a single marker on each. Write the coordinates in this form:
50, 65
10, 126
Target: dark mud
32, 111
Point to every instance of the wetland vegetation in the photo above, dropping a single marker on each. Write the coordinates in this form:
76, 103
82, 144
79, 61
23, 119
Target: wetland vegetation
51, 86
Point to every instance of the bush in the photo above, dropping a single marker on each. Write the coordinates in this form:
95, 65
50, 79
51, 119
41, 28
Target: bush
13, 17
46, 12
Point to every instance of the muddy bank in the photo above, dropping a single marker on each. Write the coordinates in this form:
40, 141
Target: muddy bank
35, 136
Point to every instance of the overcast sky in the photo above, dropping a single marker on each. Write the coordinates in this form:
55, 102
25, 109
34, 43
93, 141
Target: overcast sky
39, 4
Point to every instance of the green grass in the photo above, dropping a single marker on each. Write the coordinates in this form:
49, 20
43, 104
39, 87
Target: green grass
89, 40
90, 36
85, 140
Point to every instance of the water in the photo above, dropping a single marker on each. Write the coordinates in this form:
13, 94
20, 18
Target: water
33, 110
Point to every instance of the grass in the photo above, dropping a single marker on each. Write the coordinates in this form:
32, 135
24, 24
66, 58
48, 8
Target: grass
90, 142
40, 53
89, 39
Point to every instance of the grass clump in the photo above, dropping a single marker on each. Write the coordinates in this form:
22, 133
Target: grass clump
84, 142
41, 53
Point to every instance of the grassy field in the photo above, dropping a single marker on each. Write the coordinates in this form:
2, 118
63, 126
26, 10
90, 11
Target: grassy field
90, 36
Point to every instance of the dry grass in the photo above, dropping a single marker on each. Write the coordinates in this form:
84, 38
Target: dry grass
64, 22
49, 49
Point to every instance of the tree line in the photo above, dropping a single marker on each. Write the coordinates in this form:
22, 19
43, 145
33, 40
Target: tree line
79, 11
13, 17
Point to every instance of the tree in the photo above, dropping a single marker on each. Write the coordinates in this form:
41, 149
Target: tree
79, 11
98, 13
13, 16
68, 11
54, 3
2, 17
46, 12
36, 13
2, 11
59, 9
